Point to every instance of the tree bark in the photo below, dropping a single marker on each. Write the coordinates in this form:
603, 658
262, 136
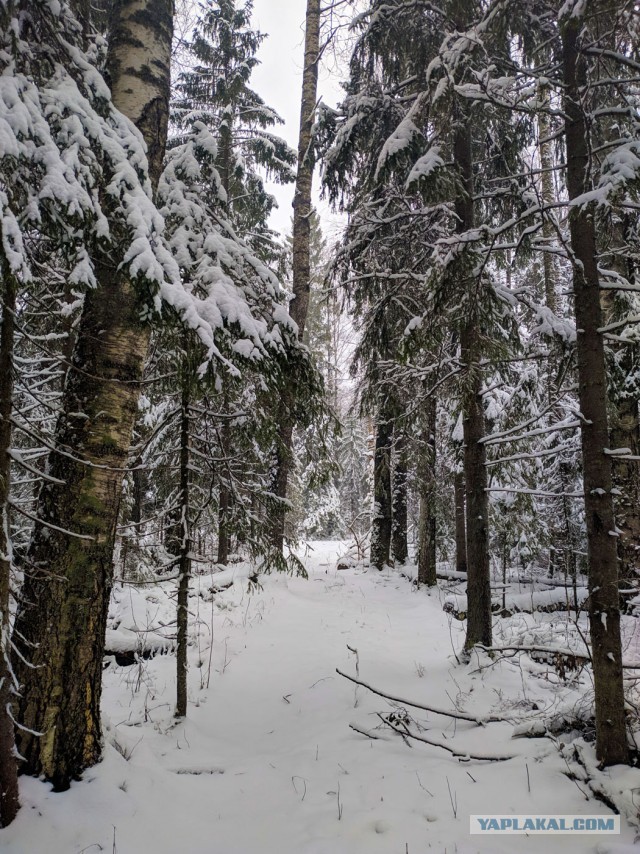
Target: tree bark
623, 410
477, 511
185, 549
223, 526
225, 159
624, 398
427, 516
225, 494
604, 611
461, 526
302, 209
304, 179
475, 471
625, 433
399, 547
9, 795
381, 525
545, 149
60, 625
138, 494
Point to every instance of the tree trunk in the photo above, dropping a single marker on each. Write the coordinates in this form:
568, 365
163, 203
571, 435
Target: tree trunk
427, 570
623, 409
301, 254
475, 471
624, 399
427, 515
381, 525
604, 611
225, 159
185, 549
60, 625
477, 515
399, 545
304, 179
225, 493
223, 526
625, 433
545, 149
461, 526
281, 469
9, 802
138, 494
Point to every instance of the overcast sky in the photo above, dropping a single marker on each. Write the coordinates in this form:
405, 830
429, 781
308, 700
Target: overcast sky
279, 79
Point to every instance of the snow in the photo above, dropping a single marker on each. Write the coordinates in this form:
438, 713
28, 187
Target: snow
265, 760
556, 597
400, 139
77, 169
225, 285
425, 165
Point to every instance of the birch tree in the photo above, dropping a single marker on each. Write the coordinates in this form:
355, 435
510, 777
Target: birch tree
61, 623
302, 209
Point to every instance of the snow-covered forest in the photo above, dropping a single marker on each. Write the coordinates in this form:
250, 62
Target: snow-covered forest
319, 539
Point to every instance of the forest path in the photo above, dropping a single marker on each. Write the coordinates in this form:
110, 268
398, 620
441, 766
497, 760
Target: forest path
265, 762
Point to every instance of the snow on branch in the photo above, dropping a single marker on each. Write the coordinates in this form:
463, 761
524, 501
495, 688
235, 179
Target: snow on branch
78, 174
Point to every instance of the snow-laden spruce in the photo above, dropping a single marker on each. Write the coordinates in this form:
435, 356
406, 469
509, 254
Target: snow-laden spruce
225, 284
74, 169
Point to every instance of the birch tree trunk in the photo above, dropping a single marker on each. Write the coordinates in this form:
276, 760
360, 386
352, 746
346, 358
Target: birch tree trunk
604, 610
9, 802
60, 625
302, 209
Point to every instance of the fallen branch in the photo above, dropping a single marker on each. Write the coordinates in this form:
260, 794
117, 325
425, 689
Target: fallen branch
460, 716
366, 732
404, 731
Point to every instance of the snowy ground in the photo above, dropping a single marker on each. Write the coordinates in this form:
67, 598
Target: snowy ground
266, 762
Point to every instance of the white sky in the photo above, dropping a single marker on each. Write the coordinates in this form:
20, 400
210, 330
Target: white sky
279, 79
